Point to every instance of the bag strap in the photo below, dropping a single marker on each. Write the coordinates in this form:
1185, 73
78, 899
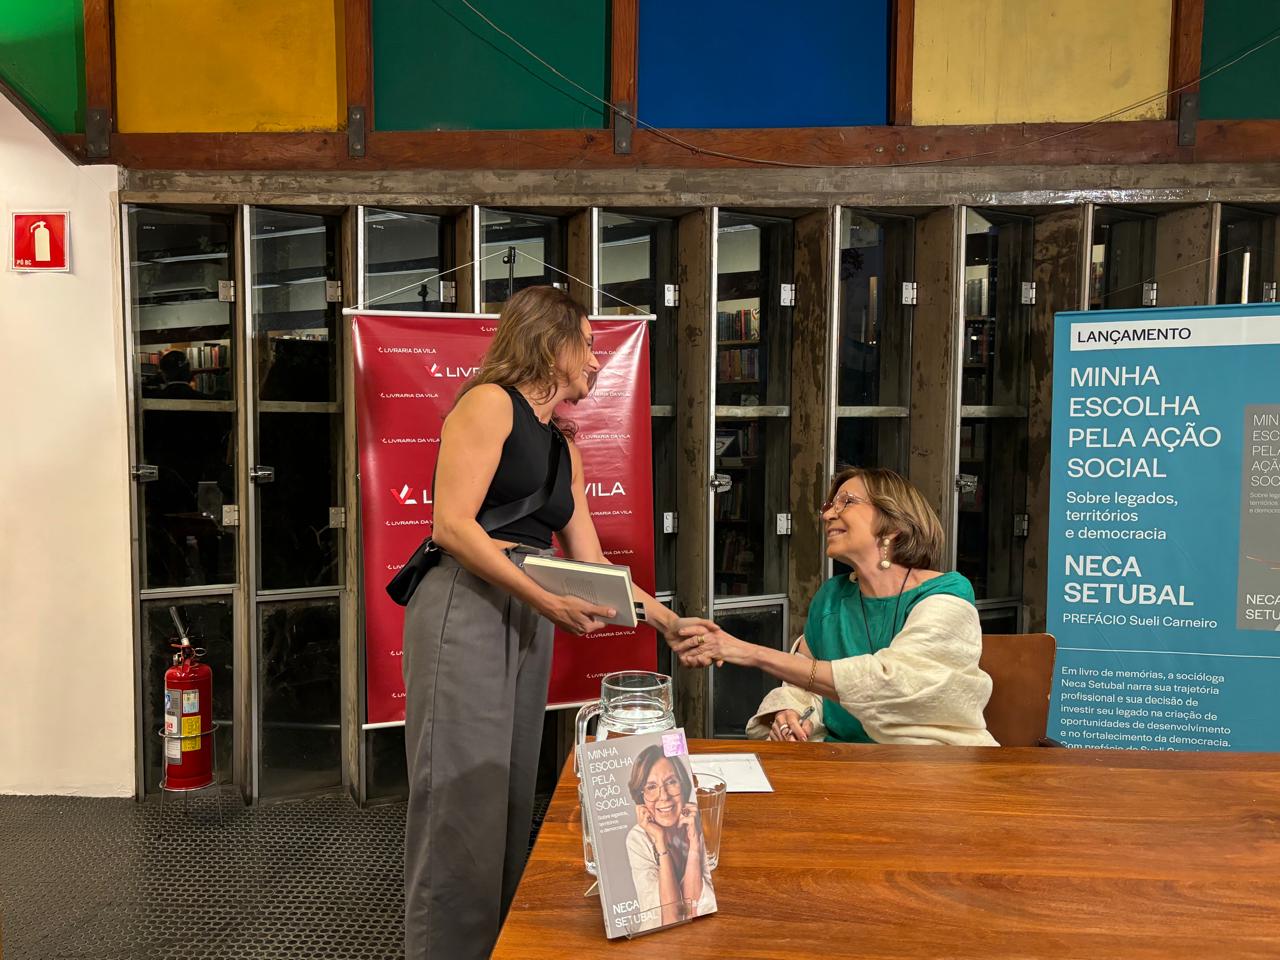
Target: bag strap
497, 517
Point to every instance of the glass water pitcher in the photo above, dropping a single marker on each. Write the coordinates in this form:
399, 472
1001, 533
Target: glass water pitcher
631, 702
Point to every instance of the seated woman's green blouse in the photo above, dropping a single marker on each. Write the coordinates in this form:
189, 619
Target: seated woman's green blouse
836, 628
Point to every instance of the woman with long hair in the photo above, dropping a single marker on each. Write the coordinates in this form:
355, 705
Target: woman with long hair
478, 631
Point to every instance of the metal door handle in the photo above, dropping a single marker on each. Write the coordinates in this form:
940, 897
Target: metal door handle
721, 482
262, 474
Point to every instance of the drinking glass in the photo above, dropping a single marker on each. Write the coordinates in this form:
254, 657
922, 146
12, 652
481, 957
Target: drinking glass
710, 792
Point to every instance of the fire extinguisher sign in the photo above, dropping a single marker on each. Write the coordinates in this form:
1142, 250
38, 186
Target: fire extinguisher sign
41, 241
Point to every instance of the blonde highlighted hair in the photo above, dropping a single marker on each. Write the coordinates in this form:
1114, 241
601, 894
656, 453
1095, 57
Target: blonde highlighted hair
902, 513
535, 327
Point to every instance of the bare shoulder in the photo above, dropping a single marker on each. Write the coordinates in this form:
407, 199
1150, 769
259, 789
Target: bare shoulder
575, 455
485, 406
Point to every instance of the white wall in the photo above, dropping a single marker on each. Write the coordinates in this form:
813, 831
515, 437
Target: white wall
66, 648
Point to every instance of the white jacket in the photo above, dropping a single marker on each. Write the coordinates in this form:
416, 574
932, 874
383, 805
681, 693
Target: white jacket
925, 687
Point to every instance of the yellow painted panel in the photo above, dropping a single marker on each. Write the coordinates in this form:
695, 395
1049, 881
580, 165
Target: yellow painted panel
1012, 61
228, 65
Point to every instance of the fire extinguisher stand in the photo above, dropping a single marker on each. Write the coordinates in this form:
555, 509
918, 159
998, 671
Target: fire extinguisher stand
214, 785
190, 756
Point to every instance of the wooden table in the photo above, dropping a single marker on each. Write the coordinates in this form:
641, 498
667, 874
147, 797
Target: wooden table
897, 851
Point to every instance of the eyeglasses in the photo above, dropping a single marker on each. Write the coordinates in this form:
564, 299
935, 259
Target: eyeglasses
669, 786
841, 503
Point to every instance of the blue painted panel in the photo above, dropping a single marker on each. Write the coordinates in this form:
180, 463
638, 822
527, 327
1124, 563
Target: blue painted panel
758, 63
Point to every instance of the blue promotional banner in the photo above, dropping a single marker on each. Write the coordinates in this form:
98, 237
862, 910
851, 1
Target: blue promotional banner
1164, 528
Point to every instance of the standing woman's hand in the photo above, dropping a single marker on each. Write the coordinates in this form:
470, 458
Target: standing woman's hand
575, 614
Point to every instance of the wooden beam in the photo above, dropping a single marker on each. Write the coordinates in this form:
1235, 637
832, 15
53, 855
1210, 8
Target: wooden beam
351, 602
920, 148
358, 56
902, 55
581, 255
1236, 141
694, 449
1185, 256
935, 366
1058, 269
99, 77
623, 53
795, 191
811, 347
465, 254
1185, 41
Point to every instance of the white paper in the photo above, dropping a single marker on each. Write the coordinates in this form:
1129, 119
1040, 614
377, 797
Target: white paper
741, 772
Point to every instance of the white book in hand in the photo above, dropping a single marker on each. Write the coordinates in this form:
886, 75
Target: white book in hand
604, 584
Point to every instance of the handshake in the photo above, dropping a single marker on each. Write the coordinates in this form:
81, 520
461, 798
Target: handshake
700, 643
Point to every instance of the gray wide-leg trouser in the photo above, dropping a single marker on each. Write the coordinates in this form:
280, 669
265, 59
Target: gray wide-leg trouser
477, 663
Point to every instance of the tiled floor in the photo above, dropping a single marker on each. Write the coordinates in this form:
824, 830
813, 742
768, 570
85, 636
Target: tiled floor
107, 879
115, 879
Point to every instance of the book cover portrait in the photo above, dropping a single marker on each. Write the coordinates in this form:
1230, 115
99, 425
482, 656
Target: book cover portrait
642, 812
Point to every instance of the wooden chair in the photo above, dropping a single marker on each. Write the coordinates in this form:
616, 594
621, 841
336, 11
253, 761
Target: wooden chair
1021, 669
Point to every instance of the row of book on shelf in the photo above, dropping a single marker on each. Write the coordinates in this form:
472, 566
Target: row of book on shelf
203, 356
734, 443
732, 504
738, 324
739, 363
737, 552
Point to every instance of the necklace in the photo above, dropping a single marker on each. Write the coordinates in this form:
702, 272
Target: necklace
866, 624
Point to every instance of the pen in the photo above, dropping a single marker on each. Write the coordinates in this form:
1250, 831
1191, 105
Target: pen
803, 717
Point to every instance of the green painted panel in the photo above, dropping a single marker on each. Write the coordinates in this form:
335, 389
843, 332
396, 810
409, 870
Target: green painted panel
42, 58
1250, 89
439, 66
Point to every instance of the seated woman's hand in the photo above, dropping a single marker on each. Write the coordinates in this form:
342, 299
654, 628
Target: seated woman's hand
788, 726
705, 647
682, 633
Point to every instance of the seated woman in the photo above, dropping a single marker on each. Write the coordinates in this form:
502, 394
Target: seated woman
890, 652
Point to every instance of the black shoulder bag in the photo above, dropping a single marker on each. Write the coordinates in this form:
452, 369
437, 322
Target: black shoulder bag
404, 583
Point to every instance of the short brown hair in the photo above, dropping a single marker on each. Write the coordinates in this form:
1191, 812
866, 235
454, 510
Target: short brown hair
902, 512
644, 763
535, 325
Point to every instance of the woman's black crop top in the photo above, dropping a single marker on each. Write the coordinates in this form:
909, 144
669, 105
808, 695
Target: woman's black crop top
522, 471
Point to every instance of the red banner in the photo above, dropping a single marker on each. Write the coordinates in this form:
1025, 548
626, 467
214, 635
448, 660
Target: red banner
409, 367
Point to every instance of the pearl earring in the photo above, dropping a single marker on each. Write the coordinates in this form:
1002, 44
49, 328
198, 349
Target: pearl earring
884, 554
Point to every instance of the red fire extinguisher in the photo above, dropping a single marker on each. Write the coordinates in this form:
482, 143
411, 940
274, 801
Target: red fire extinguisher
188, 716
